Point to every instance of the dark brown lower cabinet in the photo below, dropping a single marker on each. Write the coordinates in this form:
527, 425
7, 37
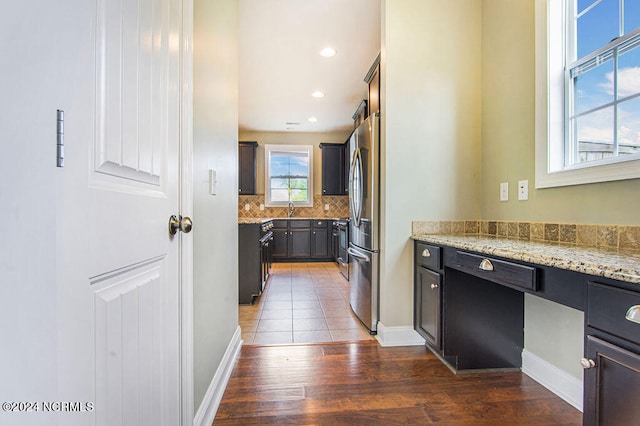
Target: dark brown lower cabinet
301, 240
427, 309
299, 243
611, 385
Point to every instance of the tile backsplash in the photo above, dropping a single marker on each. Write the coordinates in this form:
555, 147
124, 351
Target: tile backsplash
338, 207
605, 236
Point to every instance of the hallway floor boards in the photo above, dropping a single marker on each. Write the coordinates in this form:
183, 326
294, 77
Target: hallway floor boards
363, 383
283, 376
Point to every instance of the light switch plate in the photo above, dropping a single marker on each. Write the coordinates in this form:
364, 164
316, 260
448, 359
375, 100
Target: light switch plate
504, 191
212, 182
261, 206
326, 207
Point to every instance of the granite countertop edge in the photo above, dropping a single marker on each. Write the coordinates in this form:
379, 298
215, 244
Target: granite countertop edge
260, 220
608, 263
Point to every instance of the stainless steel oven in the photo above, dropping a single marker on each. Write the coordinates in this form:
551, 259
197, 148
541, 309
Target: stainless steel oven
343, 245
266, 258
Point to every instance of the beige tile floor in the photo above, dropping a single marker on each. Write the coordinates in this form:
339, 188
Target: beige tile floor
302, 303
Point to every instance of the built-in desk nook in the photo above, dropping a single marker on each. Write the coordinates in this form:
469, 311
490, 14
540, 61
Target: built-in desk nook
469, 307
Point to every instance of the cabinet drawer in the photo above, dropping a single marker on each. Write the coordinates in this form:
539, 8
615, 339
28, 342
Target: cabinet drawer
427, 255
280, 224
607, 308
299, 224
499, 271
319, 223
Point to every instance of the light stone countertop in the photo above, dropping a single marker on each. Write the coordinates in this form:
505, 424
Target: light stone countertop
252, 220
260, 220
609, 263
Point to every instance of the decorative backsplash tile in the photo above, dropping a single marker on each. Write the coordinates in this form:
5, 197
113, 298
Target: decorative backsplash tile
338, 208
605, 236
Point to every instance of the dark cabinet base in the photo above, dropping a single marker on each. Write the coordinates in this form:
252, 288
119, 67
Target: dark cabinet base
484, 323
612, 386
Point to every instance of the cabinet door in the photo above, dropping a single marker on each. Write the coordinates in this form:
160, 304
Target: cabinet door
374, 92
347, 165
427, 309
612, 386
320, 243
333, 177
300, 243
280, 243
247, 168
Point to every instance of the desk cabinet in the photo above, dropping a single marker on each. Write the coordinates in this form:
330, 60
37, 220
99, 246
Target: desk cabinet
612, 357
475, 321
427, 305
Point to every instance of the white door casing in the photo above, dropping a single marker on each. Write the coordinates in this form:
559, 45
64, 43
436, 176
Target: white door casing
112, 323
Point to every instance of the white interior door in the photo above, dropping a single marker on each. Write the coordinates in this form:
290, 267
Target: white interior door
113, 317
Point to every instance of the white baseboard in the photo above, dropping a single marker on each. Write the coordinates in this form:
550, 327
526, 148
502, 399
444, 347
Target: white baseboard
551, 377
398, 336
211, 401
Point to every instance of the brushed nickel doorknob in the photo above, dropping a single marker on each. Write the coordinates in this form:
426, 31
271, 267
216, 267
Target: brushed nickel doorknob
179, 223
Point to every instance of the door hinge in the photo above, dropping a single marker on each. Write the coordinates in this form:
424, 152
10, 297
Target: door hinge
60, 138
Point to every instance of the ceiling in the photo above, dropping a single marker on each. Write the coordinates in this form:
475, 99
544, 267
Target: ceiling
280, 64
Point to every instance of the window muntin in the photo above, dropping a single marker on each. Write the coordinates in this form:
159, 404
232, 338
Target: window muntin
289, 171
603, 80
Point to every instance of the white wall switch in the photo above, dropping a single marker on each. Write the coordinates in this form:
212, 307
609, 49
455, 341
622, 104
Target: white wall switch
326, 207
261, 206
504, 191
212, 182
247, 207
523, 190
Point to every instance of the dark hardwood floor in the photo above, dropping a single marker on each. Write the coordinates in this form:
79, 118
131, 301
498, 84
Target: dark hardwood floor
363, 383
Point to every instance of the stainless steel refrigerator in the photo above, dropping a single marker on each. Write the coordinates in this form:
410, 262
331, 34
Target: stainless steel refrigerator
364, 207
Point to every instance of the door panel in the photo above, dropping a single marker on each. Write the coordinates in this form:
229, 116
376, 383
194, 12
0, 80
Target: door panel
120, 326
133, 63
129, 325
611, 384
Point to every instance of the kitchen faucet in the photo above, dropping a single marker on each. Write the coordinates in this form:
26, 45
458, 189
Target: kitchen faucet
290, 210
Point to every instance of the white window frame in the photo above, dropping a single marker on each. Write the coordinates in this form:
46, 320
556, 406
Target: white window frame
308, 150
550, 25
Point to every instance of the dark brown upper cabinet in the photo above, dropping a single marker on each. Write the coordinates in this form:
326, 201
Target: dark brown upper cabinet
373, 80
247, 168
333, 169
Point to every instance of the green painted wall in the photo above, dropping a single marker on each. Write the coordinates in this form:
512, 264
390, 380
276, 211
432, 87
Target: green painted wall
508, 132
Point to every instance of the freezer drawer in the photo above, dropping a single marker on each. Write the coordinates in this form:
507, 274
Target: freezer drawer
363, 285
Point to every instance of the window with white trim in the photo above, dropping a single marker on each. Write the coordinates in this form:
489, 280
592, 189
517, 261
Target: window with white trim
588, 99
288, 175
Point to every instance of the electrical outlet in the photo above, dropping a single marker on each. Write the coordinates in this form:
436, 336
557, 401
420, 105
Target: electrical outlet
247, 207
523, 190
504, 191
326, 207
261, 206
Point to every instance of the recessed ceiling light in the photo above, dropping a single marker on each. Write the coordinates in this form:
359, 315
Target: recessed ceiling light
312, 119
328, 52
317, 94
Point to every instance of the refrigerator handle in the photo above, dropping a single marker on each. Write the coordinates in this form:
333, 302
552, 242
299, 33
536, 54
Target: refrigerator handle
358, 255
355, 197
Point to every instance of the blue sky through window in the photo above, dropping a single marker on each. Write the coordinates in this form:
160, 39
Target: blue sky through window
289, 164
597, 24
